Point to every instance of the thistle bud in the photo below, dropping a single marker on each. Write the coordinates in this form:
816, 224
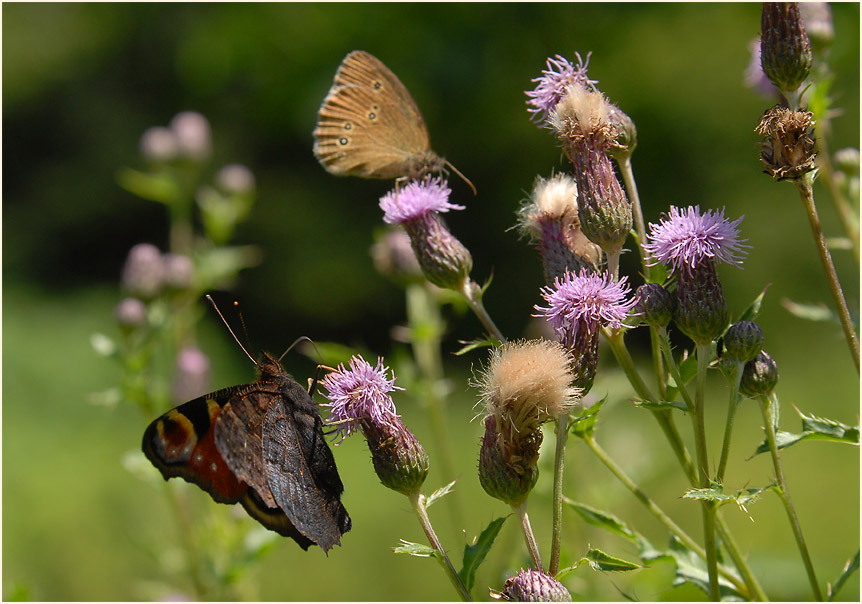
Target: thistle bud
533, 586
400, 461
179, 270
144, 271
701, 310
847, 160
785, 51
603, 208
159, 144
508, 468
194, 138
817, 20
130, 313
787, 149
192, 374
627, 133
393, 256
743, 341
235, 179
759, 376
654, 304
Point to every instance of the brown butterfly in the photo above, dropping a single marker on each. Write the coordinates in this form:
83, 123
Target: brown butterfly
261, 445
370, 126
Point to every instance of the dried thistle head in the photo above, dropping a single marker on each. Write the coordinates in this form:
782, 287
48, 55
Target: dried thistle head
585, 114
787, 150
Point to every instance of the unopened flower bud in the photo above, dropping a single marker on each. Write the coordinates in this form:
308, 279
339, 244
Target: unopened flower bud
847, 160
654, 304
533, 586
179, 270
603, 208
194, 138
144, 271
785, 50
817, 20
192, 374
759, 376
235, 179
627, 133
787, 150
130, 313
743, 341
159, 144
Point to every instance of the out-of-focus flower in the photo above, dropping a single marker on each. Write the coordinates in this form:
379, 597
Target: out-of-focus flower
193, 134
144, 271
130, 313
235, 179
192, 374
817, 20
159, 144
393, 256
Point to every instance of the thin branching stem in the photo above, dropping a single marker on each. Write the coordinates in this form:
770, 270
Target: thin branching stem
529, 537
769, 427
733, 404
417, 500
473, 294
806, 192
703, 469
561, 423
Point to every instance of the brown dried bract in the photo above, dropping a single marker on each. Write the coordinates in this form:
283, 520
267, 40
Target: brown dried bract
787, 150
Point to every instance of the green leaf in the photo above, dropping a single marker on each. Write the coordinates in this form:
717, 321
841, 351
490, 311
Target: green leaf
810, 312
688, 369
599, 560
660, 405
478, 343
475, 554
103, 345
155, 187
416, 549
813, 428
585, 423
691, 569
602, 519
657, 274
439, 494
851, 567
716, 493
750, 313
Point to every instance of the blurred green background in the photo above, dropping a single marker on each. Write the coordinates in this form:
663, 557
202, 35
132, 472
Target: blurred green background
81, 82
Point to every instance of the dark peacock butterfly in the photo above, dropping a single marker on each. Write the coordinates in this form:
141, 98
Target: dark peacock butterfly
261, 445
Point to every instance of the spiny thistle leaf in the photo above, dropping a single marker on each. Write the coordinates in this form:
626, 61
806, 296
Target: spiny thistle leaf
475, 554
439, 494
851, 567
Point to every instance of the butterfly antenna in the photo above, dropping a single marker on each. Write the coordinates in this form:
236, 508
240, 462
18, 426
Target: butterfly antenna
226, 324
464, 178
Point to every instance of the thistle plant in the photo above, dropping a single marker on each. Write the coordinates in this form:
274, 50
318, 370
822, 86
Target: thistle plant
536, 393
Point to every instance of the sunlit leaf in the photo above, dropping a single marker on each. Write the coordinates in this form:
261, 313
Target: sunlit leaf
809, 312
753, 309
586, 422
690, 568
439, 494
475, 554
599, 560
660, 405
814, 428
716, 493
415, 549
479, 343
155, 187
851, 567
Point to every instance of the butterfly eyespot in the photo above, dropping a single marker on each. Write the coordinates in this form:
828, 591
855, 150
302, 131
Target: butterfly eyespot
343, 141
348, 125
341, 156
378, 85
372, 116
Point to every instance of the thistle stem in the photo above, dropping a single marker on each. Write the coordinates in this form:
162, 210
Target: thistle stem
562, 430
733, 404
785, 496
656, 511
624, 163
417, 500
614, 263
473, 294
806, 192
529, 538
703, 470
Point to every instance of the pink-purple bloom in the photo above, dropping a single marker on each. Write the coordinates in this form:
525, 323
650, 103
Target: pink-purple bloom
360, 394
551, 86
416, 199
687, 237
586, 300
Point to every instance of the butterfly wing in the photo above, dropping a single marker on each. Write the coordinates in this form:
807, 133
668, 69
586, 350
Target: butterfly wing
181, 443
302, 474
369, 125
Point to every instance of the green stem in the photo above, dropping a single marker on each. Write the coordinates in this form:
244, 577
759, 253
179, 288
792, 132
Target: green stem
624, 162
665, 420
417, 500
614, 263
656, 511
733, 404
426, 327
785, 496
529, 537
703, 470
473, 294
806, 192
562, 430
658, 362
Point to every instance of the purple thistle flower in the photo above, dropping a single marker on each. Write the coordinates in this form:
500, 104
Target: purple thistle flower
584, 301
360, 394
551, 86
687, 237
415, 200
